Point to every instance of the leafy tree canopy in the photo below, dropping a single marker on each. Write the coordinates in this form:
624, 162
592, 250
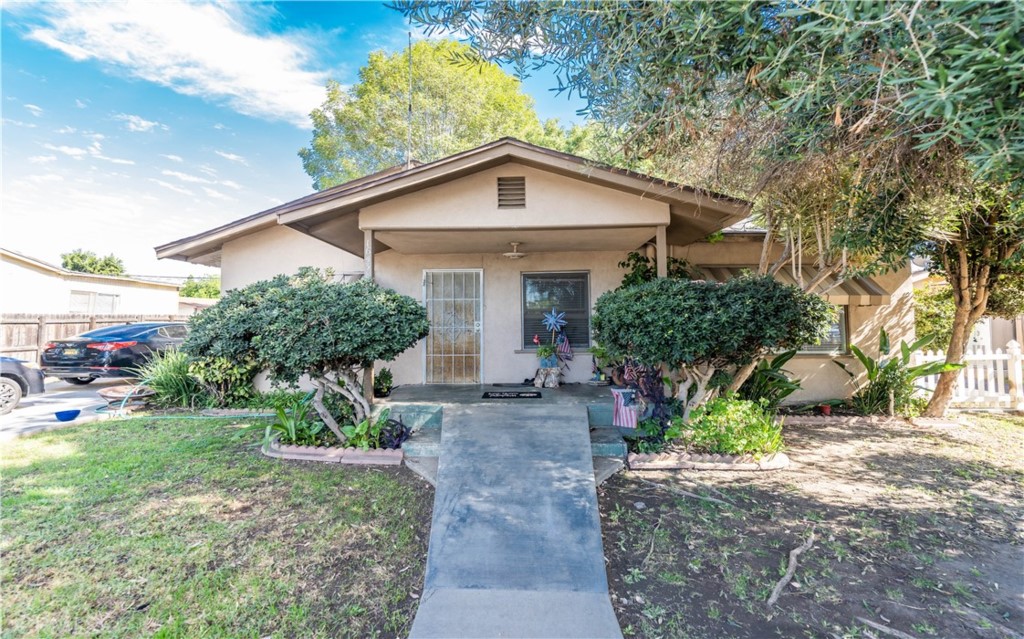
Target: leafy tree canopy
207, 287
692, 329
309, 325
814, 75
88, 262
362, 129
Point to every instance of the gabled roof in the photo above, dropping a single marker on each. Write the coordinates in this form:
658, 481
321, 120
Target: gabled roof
704, 212
46, 267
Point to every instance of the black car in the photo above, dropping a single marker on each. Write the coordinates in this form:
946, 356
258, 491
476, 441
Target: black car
16, 381
114, 351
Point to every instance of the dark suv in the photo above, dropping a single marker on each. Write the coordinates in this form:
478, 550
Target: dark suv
18, 379
114, 351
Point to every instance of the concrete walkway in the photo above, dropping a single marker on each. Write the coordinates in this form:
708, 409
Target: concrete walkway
515, 543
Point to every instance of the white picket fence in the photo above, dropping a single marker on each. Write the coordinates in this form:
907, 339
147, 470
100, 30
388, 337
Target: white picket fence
990, 380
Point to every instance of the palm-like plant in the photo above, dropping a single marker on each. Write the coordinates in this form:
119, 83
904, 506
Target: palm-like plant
890, 377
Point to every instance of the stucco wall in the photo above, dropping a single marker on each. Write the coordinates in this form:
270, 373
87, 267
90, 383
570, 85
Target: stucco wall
819, 376
279, 250
502, 305
551, 200
27, 289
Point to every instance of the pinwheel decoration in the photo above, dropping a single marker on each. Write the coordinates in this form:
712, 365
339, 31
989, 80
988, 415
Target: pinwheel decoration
554, 321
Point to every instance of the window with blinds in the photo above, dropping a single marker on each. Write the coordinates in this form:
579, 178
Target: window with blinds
835, 341
565, 292
512, 193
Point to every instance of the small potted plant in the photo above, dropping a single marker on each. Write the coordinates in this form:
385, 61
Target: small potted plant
383, 383
547, 355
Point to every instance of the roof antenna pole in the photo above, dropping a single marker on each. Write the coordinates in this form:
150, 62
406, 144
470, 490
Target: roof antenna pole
408, 127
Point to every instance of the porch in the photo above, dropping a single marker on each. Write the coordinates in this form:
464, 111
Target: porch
424, 407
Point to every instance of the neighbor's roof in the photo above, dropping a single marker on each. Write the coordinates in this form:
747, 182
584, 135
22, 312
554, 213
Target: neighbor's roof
40, 265
348, 198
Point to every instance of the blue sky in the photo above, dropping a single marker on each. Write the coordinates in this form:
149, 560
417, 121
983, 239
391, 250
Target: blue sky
130, 125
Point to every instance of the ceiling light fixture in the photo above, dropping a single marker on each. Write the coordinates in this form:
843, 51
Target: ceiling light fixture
515, 254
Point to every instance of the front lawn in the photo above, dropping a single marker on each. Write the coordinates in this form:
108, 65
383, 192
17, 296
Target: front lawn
917, 531
175, 528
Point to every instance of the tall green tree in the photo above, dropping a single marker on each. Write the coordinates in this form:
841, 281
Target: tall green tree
364, 128
206, 287
88, 262
838, 117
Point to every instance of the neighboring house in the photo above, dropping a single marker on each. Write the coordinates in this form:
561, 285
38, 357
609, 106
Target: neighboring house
34, 286
192, 305
491, 238
989, 333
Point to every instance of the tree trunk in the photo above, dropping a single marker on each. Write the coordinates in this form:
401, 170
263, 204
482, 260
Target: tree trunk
325, 415
946, 385
741, 375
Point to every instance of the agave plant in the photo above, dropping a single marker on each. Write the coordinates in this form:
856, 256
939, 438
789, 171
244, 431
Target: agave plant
890, 378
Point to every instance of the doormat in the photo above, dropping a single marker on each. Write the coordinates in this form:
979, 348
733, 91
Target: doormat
512, 395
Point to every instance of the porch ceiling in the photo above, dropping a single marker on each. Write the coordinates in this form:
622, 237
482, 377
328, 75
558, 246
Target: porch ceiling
532, 241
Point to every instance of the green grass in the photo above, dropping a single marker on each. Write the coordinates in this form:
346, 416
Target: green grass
176, 528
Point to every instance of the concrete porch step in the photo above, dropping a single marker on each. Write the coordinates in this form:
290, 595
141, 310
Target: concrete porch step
423, 443
607, 442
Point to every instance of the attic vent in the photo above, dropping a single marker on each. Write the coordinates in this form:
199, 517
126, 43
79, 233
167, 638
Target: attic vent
512, 193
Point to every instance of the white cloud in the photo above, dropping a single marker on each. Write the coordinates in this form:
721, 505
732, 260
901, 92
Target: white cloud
209, 170
34, 110
219, 126
204, 50
172, 187
217, 194
40, 179
187, 177
95, 150
80, 104
27, 125
231, 156
65, 129
172, 157
231, 184
70, 151
42, 159
138, 124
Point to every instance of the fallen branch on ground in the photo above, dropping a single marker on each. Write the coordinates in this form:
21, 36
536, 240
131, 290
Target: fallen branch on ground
654, 538
685, 493
886, 629
791, 569
982, 619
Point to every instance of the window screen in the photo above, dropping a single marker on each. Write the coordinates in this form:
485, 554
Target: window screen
81, 302
835, 341
565, 292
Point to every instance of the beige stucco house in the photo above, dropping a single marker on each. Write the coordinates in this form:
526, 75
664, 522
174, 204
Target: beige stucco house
490, 238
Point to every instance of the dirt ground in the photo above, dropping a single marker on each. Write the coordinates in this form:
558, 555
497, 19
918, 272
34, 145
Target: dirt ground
916, 532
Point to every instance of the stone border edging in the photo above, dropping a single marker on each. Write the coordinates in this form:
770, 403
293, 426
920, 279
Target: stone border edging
333, 454
840, 419
674, 461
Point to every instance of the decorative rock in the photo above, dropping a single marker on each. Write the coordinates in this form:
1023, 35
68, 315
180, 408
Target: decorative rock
640, 505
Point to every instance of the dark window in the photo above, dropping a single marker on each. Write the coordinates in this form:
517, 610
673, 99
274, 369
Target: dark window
835, 341
511, 192
565, 292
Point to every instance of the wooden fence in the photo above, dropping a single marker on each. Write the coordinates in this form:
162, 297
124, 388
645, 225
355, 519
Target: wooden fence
24, 335
989, 380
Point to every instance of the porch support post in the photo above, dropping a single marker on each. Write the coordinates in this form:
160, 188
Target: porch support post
368, 274
368, 254
661, 251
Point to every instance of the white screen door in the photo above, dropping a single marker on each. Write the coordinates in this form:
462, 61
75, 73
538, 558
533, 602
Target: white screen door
454, 301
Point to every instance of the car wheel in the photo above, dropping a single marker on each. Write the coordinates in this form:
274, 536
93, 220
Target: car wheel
81, 381
10, 395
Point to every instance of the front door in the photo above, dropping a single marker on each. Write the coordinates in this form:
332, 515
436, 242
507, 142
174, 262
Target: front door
454, 301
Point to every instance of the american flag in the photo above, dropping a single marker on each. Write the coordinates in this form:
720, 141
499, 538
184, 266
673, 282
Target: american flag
564, 348
624, 414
